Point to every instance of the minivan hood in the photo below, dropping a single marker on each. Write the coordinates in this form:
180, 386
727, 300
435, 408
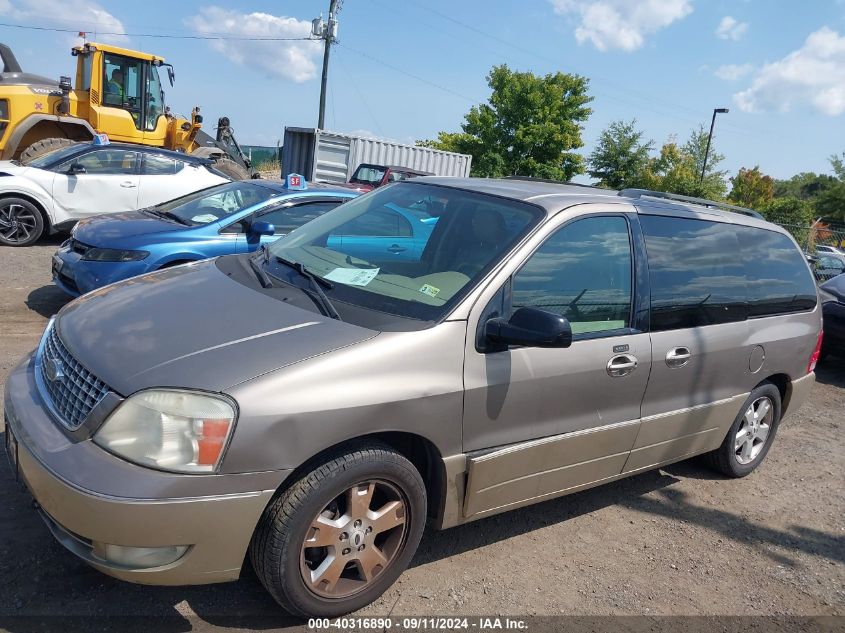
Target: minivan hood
192, 327
100, 230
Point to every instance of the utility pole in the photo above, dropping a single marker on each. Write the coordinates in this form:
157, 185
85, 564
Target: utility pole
709, 138
326, 31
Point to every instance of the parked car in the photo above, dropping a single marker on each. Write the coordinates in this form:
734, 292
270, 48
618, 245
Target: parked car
310, 407
234, 217
56, 189
823, 248
368, 176
829, 265
833, 309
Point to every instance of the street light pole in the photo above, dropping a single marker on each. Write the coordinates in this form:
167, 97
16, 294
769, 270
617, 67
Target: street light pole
710, 138
328, 33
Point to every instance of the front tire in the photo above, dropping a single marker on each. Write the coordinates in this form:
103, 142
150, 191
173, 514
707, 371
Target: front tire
342, 533
21, 222
751, 435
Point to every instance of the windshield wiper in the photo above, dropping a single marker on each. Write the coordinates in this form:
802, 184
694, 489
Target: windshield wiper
263, 277
317, 295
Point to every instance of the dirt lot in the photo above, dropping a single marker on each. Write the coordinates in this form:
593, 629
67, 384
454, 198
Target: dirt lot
676, 541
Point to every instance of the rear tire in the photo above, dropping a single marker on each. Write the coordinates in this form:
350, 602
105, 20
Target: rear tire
750, 436
39, 148
21, 222
342, 533
231, 169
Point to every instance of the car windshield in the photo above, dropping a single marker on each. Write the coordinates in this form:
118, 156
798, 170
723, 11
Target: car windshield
407, 249
368, 175
215, 203
56, 156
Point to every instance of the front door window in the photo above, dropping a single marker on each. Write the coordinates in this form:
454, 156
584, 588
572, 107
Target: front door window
122, 85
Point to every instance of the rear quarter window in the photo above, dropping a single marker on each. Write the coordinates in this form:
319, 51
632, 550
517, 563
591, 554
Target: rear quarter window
778, 277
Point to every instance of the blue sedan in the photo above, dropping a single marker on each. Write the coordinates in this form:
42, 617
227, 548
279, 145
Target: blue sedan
235, 217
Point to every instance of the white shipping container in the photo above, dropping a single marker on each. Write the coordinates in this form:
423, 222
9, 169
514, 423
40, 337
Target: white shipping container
325, 156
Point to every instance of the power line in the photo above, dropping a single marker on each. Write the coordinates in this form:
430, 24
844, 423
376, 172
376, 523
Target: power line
406, 73
163, 36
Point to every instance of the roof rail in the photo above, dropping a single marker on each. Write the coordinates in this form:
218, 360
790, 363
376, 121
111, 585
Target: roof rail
710, 204
554, 182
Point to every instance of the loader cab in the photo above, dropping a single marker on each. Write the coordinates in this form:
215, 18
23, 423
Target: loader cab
126, 96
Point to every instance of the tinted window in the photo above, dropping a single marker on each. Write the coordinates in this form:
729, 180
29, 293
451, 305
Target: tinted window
105, 161
56, 156
696, 271
582, 272
161, 165
778, 277
381, 223
286, 219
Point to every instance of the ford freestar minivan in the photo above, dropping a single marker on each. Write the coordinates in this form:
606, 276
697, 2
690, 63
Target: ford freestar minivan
314, 403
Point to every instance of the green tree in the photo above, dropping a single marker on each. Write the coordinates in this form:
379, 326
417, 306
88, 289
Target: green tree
804, 186
530, 126
789, 210
621, 157
830, 203
752, 188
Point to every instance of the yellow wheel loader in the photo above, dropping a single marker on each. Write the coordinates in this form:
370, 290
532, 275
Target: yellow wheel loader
118, 92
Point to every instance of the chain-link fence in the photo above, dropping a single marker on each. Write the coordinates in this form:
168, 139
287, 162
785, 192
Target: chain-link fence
825, 245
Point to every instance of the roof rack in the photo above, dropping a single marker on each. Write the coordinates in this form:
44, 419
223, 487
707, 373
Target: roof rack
555, 182
710, 204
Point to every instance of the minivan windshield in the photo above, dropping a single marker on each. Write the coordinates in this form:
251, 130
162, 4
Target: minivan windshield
408, 248
214, 203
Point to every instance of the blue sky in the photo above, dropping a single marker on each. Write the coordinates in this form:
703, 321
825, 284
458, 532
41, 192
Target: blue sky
408, 69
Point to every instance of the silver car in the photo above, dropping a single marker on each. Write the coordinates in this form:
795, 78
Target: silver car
314, 404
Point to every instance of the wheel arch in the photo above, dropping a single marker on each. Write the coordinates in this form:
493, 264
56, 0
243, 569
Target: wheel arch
45, 215
784, 385
38, 127
417, 449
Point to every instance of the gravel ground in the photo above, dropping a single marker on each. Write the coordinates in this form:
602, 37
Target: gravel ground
678, 541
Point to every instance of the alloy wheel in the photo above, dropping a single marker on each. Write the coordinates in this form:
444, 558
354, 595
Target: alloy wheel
754, 430
17, 223
354, 539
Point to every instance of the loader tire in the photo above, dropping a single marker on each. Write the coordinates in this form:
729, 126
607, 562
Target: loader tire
231, 169
39, 148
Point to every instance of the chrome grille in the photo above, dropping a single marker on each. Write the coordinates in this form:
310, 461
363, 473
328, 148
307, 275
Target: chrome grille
74, 391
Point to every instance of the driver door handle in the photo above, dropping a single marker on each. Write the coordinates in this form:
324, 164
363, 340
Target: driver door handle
621, 365
128, 184
396, 249
678, 357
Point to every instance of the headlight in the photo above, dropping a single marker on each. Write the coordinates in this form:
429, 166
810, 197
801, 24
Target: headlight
183, 431
113, 255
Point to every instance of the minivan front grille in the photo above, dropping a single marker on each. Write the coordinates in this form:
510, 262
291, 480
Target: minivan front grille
72, 390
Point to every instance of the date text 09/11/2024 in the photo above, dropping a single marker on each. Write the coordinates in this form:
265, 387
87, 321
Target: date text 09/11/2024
429, 623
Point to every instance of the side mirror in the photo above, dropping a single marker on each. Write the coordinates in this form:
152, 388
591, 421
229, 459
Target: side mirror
75, 168
262, 228
530, 327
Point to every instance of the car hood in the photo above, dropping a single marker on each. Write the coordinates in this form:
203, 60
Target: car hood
99, 230
835, 287
13, 169
192, 327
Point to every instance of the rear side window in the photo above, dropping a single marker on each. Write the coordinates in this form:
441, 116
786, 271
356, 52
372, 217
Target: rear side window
779, 279
697, 273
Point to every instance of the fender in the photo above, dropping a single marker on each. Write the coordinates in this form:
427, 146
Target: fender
34, 119
26, 188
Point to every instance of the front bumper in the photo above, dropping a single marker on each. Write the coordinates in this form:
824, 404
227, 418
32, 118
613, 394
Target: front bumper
90, 498
76, 276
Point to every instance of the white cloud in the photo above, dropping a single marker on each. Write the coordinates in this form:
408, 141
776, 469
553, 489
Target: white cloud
731, 29
621, 24
294, 60
732, 72
68, 14
814, 74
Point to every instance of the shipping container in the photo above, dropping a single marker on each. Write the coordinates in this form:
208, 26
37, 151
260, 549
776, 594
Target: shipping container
325, 156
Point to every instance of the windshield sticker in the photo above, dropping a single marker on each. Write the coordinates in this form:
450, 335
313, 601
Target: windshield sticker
205, 218
430, 290
353, 276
